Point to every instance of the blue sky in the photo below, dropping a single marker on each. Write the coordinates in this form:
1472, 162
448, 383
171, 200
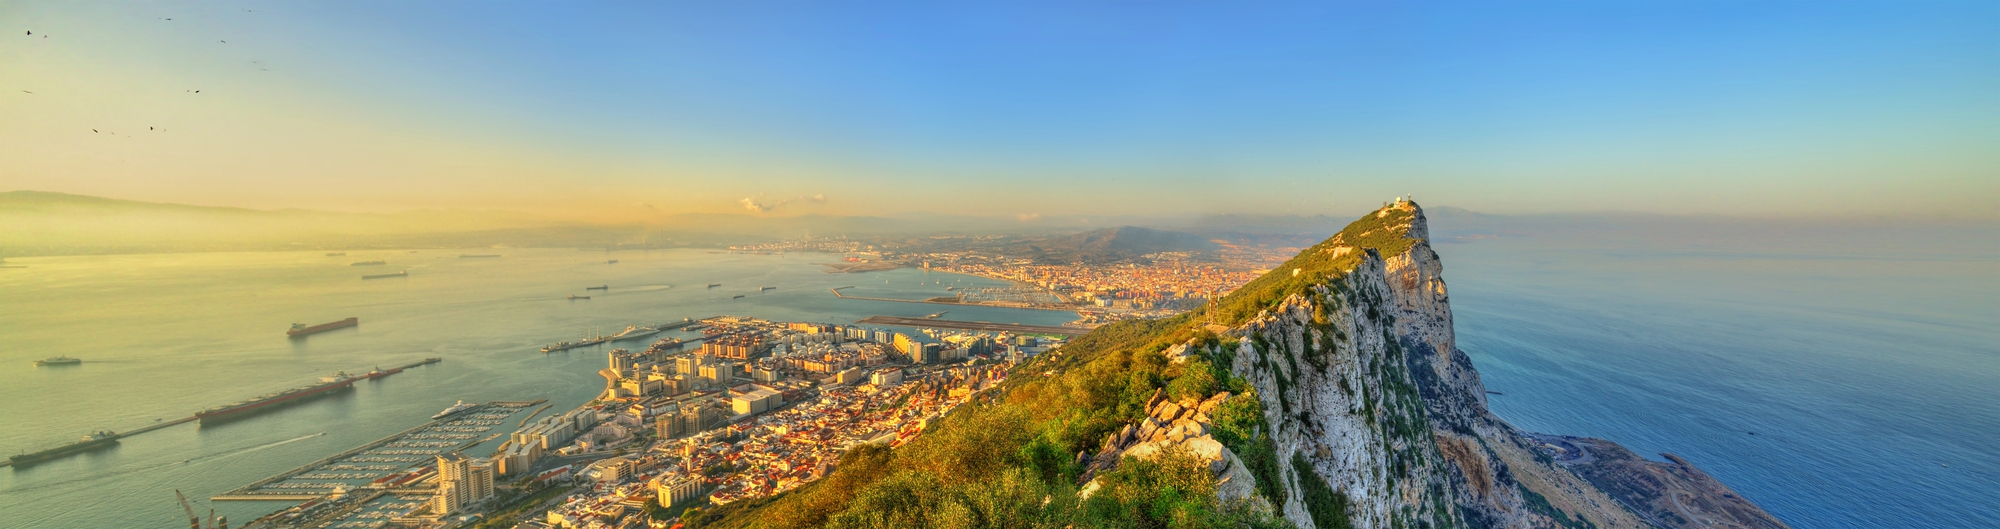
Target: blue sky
1002, 108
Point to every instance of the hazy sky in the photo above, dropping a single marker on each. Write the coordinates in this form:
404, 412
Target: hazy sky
1778, 108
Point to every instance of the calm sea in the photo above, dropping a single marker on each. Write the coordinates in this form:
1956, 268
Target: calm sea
1865, 365
163, 336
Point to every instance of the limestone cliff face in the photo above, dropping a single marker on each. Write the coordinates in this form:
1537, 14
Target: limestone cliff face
1376, 412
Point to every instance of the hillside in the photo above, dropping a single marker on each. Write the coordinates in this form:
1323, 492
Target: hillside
1111, 245
1328, 393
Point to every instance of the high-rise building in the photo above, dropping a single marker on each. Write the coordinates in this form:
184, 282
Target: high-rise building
677, 489
719, 373
688, 365
461, 482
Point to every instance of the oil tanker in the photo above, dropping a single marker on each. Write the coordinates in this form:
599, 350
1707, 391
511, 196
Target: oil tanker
300, 329
328, 385
96, 441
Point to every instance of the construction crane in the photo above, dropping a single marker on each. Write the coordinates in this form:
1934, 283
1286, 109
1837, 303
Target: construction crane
194, 522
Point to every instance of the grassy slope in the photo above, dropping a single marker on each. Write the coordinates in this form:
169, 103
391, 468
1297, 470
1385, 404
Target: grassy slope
1008, 459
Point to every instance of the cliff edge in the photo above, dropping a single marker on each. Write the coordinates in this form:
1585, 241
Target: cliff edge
1328, 393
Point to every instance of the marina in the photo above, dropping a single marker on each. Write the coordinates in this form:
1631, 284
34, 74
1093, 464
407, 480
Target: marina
384, 464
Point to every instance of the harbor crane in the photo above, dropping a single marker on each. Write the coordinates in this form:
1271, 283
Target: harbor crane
194, 522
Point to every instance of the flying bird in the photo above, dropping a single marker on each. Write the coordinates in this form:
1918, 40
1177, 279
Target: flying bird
149, 128
26, 92
31, 33
93, 130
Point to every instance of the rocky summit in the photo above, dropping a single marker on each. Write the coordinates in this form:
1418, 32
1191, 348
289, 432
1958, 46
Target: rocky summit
1328, 393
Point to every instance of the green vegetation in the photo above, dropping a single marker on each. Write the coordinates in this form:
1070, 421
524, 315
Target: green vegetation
1012, 460
1327, 507
1386, 234
1539, 503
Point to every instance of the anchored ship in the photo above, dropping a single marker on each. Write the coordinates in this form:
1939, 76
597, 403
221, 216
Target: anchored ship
328, 385
93, 441
574, 296
300, 329
599, 287
59, 361
405, 273
369, 263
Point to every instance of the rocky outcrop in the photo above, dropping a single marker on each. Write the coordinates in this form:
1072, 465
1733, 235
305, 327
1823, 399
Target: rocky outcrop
1374, 407
1168, 425
1673, 494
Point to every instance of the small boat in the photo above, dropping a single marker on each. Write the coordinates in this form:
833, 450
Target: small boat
613, 261
369, 263
59, 361
599, 287
574, 296
461, 406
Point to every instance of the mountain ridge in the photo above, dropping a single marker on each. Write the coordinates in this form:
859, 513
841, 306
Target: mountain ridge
1327, 393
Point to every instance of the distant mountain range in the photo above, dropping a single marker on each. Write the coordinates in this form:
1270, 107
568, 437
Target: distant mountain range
45, 223
1109, 245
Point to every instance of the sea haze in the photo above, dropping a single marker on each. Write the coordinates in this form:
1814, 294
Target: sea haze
1862, 358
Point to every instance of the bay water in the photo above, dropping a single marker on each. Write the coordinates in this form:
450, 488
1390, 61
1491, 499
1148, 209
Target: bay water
165, 335
1840, 380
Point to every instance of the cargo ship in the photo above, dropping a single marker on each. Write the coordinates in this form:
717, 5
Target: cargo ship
599, 287
59, 361
405, 273
328, 385
574, 296
369, 263
477, 256
300, 329
96, 441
